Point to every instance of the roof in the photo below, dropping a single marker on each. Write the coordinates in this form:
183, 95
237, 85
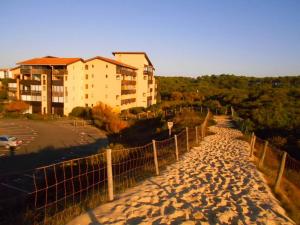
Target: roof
4, 69
50, 61
112, 61
144, 53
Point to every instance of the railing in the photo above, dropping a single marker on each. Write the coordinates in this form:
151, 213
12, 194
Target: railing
128, 82
125, 72
149, 73
150, 81
59, 71
30, 82
127, 101
30, 92
35, 71
126, 92
57, 94
59, 82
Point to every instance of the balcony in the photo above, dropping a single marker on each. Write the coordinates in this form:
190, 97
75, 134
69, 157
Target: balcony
127, 92
57, 94
128, 82
124, 71
59, 82
149, 73
30, 82
30, 92
59, 71
127, 101
35, 71
44, 71
150, 81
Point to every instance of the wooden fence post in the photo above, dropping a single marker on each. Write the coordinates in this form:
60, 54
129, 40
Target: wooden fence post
155, 157
110, 183
197, 140
187, 139
252, 146
280, 172
261, 161
251, 140
176, 147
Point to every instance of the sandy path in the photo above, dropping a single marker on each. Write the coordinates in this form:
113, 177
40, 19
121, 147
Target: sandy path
214, 183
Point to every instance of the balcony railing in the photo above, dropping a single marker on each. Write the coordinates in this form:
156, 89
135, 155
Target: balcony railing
30, 92
59, 82
127, 101
59, 72
44, 71
30, 82
128, 82
150, 81
58, 94
149, 98
126, 92
12, 89
125, 72
150, 73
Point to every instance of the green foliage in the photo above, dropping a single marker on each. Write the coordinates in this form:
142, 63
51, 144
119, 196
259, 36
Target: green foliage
269, 105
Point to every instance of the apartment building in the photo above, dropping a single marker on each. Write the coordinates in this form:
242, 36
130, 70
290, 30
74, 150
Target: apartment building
53, 85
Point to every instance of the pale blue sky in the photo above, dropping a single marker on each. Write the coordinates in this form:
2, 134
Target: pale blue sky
187, 37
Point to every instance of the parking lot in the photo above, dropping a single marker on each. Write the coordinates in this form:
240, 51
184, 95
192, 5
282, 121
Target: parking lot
44, 142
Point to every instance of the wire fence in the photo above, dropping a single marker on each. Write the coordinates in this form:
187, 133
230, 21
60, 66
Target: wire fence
69, 188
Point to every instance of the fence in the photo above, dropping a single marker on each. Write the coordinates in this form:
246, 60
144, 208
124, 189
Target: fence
64, 190
278, 165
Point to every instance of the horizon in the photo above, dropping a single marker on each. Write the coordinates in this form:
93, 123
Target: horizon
259, 39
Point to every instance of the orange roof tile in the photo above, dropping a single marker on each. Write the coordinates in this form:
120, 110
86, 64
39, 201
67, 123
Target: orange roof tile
144, 53
112, 61
50, 61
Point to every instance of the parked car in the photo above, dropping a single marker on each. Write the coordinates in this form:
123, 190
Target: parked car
9, 141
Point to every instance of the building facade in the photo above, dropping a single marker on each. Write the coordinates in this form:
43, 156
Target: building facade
53, 85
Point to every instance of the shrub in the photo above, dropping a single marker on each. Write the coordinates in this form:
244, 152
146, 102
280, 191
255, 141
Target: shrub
105, 117
137, 110
81, 112
17, 106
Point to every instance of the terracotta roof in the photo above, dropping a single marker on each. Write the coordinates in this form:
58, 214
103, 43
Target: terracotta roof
144, 53
4, 69
50, 61
112, 61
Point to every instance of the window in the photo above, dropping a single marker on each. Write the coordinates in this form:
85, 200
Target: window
144, 94
145, 77
92, 65
86, 67
118, 77
66, 91
92, 75
86, 76
86, 86
106, 66
86, 105
92, 85
66, 78
86, 96
106, 76
117, 97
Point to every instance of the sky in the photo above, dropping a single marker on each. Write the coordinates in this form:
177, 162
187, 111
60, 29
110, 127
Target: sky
187, 37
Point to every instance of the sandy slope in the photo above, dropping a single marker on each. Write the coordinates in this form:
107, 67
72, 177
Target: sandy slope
214, 183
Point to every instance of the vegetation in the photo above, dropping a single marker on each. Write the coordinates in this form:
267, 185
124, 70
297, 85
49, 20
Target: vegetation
17, 107
270, 106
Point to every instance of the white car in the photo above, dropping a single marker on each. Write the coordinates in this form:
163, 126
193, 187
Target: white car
9, 141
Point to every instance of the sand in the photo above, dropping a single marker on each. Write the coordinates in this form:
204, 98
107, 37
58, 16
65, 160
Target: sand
215, 183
